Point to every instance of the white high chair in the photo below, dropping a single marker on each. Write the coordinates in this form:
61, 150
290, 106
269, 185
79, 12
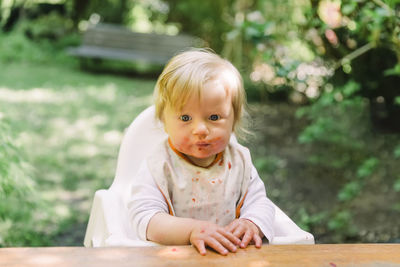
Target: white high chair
108, 223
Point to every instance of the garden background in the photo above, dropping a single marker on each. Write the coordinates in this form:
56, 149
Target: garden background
323, 84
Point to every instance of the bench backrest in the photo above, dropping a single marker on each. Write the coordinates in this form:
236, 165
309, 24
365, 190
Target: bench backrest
153, 45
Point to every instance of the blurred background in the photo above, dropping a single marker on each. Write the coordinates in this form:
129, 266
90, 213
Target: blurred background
323, 84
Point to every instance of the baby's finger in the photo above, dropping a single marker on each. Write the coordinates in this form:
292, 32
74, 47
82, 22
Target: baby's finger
213, 243
232, 226
225, 242
234, 239
257, 240
246, 239
239, 231
199, 244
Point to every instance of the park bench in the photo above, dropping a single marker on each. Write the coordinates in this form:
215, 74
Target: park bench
115, 42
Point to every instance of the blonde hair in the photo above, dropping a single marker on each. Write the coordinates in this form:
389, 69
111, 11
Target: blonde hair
186, 73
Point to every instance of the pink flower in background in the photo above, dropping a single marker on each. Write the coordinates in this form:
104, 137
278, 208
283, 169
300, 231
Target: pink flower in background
332, 37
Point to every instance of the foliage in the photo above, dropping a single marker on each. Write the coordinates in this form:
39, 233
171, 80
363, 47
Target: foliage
341, 59
360, 40
362, 44
111, 11
52, 27
210, 21
16, 46
20, 202
333, 116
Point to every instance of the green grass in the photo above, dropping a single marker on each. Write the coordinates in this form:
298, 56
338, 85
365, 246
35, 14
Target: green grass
69, 124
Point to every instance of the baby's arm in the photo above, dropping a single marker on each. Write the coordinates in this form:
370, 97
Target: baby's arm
169, 230
256, 215
148, 213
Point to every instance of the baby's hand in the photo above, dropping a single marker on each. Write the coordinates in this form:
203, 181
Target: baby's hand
246, 230
214, 236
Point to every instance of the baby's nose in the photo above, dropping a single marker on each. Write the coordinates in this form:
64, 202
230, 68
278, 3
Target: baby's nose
200, 128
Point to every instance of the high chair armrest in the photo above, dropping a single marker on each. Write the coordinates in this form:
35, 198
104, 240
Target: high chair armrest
98, 229
304, 239
105, 227
287, 232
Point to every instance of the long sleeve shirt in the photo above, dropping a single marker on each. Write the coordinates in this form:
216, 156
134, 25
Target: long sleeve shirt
231, 188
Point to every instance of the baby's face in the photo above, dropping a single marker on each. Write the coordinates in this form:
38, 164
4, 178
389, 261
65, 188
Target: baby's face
203, 127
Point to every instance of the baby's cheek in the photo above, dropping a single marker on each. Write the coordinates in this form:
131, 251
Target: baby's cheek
220, 143
182, 144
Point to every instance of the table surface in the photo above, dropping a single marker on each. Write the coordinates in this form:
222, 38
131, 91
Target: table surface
387, 255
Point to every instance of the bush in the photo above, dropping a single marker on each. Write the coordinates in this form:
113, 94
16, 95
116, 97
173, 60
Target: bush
28, 43
20, 205
52, 27
339, 138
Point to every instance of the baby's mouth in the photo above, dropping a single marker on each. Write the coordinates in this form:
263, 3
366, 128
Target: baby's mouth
202, 144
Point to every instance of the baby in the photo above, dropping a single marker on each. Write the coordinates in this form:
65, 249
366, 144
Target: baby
199, 186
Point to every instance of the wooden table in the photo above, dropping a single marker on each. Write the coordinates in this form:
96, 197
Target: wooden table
387, 255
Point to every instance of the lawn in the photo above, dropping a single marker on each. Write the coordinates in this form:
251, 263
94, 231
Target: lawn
69, 124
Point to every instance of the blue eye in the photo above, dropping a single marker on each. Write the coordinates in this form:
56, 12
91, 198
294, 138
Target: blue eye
214, 117
185, 118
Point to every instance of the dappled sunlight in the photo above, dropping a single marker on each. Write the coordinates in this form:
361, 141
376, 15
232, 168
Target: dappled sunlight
259, 263
262, 72
105, 94
313, 75
112, 255
175, 252
45, 260
143, 101
113, 137
144, 23
330, 13
62, 210
64, 201
84, 128
83, 150
35, 95
310, 77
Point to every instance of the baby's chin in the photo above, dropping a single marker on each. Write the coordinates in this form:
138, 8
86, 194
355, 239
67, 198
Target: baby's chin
201, 156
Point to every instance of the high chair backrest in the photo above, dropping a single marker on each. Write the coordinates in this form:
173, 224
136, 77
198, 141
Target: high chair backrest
144, 133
